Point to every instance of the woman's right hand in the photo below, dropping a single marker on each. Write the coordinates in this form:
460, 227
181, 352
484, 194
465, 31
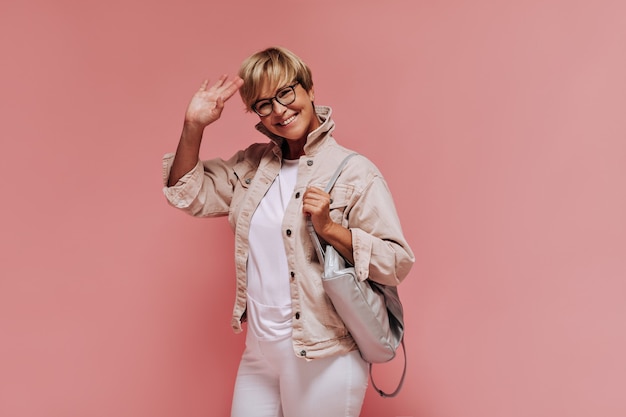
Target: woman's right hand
205, 107
208, 102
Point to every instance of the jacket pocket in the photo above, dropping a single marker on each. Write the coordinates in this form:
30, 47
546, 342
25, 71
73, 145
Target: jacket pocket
244, 174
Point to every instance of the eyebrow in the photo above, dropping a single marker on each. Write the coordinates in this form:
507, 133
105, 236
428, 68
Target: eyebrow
275, 92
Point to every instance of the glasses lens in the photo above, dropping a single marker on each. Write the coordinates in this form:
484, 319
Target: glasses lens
263, 108
286, 96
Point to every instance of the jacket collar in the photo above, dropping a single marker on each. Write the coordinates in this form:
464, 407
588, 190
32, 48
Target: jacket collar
315, 138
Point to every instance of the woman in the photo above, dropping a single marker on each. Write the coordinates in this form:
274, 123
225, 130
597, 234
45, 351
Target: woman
299, 359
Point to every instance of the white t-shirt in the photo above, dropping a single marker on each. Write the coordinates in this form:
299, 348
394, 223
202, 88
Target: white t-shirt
269, 299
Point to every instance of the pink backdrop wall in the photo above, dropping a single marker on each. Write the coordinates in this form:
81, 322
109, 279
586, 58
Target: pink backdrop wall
500, 129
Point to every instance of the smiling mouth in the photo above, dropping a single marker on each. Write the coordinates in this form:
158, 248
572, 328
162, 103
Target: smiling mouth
288, 121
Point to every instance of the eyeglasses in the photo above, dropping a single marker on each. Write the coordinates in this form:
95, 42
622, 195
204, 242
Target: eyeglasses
284, 96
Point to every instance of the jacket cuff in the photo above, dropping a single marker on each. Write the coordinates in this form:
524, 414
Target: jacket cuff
183, 193
362, 252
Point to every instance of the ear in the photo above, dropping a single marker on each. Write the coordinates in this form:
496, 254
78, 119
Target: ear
312, 94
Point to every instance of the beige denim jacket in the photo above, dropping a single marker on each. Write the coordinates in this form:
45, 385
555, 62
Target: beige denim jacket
361, 201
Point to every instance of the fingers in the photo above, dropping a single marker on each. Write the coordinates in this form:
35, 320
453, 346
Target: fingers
219, 103
223, 87
316, 205
220, 82
215, 87
316, 194
232, 87
315, 201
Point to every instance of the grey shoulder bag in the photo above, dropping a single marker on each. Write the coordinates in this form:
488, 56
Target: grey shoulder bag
372, 312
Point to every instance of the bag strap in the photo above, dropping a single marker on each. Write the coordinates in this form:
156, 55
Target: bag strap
333, 179
321, 255
399, 387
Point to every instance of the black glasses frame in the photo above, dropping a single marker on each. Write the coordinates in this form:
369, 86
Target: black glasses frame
271, 100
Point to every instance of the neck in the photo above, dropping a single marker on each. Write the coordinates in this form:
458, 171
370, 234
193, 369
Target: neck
293, 150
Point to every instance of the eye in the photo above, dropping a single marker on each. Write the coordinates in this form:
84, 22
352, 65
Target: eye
285, 94
263, 106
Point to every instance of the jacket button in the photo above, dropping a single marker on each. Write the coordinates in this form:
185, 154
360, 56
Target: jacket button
303, 353
309, 162
293, 274
298, 194
297, 316
248, 180
288, 232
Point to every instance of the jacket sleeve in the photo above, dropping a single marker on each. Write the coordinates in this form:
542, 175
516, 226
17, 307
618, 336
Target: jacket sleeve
380, 250
206, 190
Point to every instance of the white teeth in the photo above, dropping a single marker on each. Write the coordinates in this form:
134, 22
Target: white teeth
286, 122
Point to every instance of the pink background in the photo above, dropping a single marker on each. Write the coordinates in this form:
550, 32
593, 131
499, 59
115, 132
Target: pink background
500, 127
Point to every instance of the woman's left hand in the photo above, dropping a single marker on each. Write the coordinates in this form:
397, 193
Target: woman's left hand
316, 204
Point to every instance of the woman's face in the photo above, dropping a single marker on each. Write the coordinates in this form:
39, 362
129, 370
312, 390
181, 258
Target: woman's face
293, 121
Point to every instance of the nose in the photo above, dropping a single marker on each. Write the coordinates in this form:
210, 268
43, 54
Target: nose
277, 107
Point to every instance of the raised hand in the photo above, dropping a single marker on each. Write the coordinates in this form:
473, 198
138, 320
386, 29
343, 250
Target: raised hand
205, 107
207, 103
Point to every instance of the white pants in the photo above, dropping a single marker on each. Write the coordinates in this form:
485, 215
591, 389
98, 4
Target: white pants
273, 382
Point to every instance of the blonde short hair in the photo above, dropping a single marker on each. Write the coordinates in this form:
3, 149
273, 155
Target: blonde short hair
272, 67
